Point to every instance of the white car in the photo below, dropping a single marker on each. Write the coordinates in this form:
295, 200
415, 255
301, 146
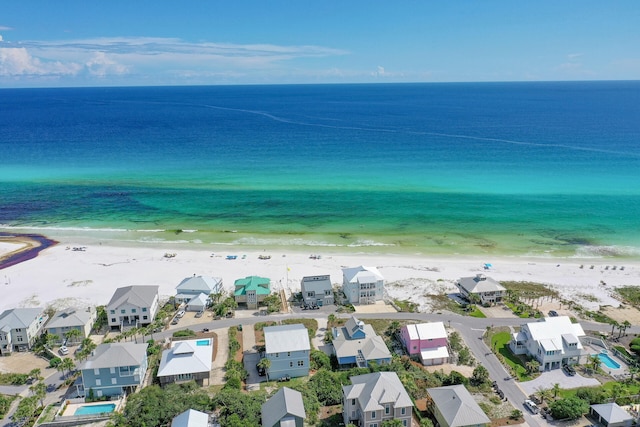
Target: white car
63, 350
531, 406
180, 313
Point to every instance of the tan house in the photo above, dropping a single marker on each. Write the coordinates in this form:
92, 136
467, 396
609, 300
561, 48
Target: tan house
485, 289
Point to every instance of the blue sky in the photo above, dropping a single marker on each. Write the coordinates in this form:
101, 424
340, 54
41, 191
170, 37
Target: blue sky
140, 42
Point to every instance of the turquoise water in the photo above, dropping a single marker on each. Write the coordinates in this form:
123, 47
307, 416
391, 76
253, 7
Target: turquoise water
542, 169
203, 343
608, 361
95, 409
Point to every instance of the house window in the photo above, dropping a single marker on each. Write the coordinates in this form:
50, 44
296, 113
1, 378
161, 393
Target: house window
277, 354
373, 415
112, 311
98, 381
300, 362
144, 317
18, 329
123, 311
387, 409
133, 310
96, 371
114, 381
403, 411
144, 309
353, 401
19, 338
373, 425
291, 364
404, 423
113, 320
99, 393
112, 370
288, 354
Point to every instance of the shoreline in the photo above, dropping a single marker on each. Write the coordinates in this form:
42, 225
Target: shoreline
30, 245
61, 277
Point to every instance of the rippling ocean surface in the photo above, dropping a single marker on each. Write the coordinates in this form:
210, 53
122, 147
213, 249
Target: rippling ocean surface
542, 169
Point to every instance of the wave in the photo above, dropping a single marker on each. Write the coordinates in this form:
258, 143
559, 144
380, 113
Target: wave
252, 241
593, 251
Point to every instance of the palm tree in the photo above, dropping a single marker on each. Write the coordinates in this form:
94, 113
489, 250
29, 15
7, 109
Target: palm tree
51, 339
73, 335
39, 390
544, 393
532, 366
556, 390
593, 362
35, 374
68, 365
623, 328
614, 324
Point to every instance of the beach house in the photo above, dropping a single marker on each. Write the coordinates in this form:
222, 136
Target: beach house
192, 291
428, 341
362, 285
453, 406
374, 398
611, 415
284, 409
191, 418
287, 348
188, 360
133, 306
317, 290
251, 290
356, 345
114, 369
552, 341
481, 288
71, 319
19, 328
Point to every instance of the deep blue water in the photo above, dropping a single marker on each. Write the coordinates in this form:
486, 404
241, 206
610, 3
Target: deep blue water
509, 168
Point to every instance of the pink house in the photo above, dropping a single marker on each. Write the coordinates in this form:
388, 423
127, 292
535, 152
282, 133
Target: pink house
426, 340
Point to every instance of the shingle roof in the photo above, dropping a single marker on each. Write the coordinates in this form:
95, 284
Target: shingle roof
139, 296
261, 285
480, 283
285, 402
114, 355
376, 389
17, 318
457, 406
185, 357
190, 418
70, 317
283, 338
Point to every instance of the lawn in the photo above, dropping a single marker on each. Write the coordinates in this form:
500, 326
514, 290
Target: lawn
500, 344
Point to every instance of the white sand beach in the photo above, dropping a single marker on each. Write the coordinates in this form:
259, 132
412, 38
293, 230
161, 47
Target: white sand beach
61, 276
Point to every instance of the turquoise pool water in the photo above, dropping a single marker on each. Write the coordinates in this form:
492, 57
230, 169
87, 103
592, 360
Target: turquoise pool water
203, 342
608, 361
95, 409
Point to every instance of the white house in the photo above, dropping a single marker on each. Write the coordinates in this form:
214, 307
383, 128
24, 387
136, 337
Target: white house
487, 290
362, 285
70, 319
19, 328
133, 306
188, 360
552, 341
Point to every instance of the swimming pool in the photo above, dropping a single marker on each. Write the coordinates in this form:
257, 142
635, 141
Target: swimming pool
95, 409
608, 361
203, 342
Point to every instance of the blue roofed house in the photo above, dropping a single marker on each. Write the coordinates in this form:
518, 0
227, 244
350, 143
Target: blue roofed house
357, 344
19, 328
362, 285
284, 409
193, 291
453, 406
191, 418
64, 321
114, 369
287, 347
133, 306
374, 398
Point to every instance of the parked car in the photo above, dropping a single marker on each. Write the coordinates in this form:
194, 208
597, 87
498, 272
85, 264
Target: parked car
63, 350
199, 314
531, 406
569, 370
535, 399
175, 320
261, 370
180, 313
553, 313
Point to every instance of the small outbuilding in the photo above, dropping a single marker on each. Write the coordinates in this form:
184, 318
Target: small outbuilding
611, 415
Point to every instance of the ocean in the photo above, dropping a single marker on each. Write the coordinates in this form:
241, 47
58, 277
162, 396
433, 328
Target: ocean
525, 169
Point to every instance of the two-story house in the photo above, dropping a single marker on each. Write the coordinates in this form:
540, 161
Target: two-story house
453, 406
114, 369
284, 409
374, 398
317, 290
251, 290
287, 348
197, 288
70, 319
188, 360
133, 306
427, 341
481, 288
19, 328
362, 285
357, 344
552, 341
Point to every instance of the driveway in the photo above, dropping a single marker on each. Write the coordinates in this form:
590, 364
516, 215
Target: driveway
557, 376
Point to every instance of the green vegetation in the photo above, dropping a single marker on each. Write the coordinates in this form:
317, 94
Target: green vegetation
273, 302
13, 379
310, 324
500, 344
476, 312
5, 403
631, 294
185, 333
570, 408
406, 306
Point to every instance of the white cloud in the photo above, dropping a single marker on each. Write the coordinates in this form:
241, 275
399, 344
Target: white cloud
101, 65
5, 28
18, 62
0, 37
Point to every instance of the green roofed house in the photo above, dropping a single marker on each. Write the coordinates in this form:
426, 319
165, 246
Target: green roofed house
252, 290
